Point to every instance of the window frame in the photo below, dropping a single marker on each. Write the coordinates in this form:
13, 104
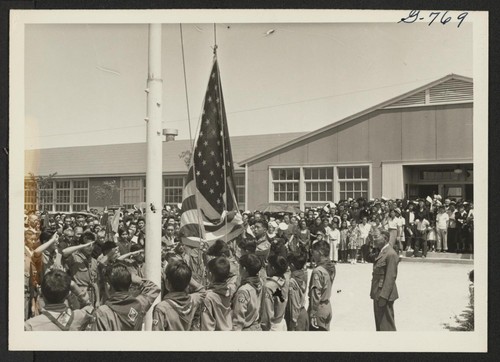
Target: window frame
272, 182
302, 181
165, 187
141, 189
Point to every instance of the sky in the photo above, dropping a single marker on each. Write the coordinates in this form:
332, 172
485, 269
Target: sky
84, 83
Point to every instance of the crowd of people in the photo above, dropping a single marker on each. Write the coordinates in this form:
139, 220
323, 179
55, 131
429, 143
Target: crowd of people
84, 271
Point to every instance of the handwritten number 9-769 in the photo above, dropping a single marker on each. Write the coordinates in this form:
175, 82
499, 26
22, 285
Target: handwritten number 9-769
414, 15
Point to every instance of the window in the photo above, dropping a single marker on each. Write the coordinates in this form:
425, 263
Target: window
58, 195
63, 195
29, 195
319, 182
239, 181
80, 195
173, 187
286, 184
46, 197
439, 175
133, 192
353, 182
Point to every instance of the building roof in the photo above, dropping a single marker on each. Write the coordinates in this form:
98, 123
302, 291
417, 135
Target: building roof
449, 89
130, 158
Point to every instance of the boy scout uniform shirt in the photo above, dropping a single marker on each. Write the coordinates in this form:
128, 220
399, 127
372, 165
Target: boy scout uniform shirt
176, 311
131, 310
297, 294
216, 307
82, 270
74, 320
274, 300
246, 305
320, 291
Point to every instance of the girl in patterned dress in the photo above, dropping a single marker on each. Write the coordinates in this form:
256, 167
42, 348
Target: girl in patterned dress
343, 242
353, 237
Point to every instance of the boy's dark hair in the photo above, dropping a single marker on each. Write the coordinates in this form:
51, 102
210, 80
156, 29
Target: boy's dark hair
45, 236
298, 260
219, 267
178, 274
219, 248
279, 264
278, 247
87, 235
249, 245
323, 247
119, 277
107, 246
251, 263
263, 223
55, 286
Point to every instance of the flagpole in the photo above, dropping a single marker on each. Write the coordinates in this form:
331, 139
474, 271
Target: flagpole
154, 163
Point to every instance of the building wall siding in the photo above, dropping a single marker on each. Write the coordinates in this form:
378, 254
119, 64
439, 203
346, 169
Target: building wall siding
430, 133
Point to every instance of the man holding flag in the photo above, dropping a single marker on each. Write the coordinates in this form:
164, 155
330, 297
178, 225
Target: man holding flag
209, 206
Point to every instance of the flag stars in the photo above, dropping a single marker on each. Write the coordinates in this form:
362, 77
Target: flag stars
217, 164
204, 182
217, 183
211, 172
212, 153
205, 143
211, 191
209, 99
207, 121
199, 154
204, 162
218, 201
197, 173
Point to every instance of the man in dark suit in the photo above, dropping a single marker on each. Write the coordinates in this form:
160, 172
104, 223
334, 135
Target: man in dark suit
383, 291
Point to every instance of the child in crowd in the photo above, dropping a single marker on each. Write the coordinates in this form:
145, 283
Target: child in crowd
320, 288
432, 237
216, 307
247, 299
296, 315
177, 309
275, 295
354, 244
344, 230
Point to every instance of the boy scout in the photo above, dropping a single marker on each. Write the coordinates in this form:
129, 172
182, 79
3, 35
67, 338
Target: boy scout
296, 314
320, 287
177, 309
247, 299
122, 311
384, 290
56, 315
216, 307
275, 295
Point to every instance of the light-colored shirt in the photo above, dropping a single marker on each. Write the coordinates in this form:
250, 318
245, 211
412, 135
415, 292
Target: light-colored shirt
442, 220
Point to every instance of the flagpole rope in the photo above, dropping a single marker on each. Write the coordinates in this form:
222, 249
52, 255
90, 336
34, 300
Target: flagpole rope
186, 87
189, 123
224, 167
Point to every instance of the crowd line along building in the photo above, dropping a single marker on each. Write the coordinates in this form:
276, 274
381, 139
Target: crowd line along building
413, 145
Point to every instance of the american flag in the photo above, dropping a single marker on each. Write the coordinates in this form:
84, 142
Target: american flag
209, 205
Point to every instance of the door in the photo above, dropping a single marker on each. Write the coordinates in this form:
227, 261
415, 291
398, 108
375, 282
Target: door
427, 190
